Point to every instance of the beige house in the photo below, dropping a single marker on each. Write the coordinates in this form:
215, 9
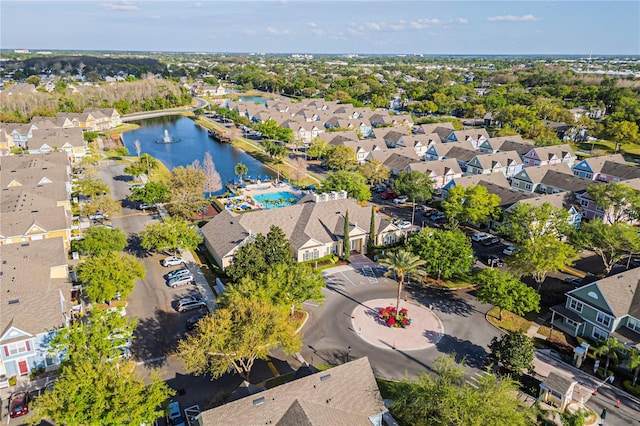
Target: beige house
314, 227
346, 395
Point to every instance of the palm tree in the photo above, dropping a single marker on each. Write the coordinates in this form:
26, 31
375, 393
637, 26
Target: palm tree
634, 365
402, 263
240, 170
609, 348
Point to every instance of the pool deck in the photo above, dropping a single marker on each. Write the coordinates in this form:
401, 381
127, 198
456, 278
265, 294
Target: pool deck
261, 189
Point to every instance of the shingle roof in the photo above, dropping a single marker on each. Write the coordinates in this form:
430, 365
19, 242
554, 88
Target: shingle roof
344, 395
621, 292
622, 171
27, 277
596, 163
559, 382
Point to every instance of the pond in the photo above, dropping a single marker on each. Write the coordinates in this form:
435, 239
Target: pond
192, 143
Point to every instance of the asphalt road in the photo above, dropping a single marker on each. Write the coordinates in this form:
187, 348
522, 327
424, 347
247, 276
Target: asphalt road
328, 333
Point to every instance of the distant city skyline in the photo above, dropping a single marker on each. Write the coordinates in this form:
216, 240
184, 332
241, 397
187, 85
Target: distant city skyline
326, 27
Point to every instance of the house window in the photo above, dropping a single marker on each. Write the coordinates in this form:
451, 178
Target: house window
17, 348
584, 203
599, 334
589, 175
527, 186
572, 323
603, 319
575, 305
633, 324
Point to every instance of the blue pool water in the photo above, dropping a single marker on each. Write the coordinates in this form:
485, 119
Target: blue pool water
276, 199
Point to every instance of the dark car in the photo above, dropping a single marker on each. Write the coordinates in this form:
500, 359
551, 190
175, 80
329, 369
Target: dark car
194, 320
19, 405
490, 241
389, 195
438, 217
493, 260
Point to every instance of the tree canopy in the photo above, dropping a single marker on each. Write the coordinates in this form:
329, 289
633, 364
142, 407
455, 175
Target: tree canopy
94, 383
445, 252
447, 399
619, 201
260, 255
402, 264
151, 193
172, 234
104, 204
374, 172
506, 291
186, 188
145, 164
526, 222
611, 242
546, 254
349, 181
90, 186
340, 158
515, 351
102, 240
232, 338
108, 274
471, 204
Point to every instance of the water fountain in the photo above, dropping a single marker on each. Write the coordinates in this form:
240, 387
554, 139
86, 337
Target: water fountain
167, 138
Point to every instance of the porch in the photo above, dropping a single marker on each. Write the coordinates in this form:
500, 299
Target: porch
566, 320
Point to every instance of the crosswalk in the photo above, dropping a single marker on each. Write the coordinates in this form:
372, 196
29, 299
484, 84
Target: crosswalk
369, 274
343, 280
474, 379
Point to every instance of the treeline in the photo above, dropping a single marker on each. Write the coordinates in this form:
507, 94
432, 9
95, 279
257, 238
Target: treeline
126, 97
104, 66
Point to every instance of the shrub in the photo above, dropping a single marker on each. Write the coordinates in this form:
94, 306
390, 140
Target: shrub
635, 390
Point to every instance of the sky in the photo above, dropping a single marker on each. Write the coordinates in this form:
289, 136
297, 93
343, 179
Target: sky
597, 27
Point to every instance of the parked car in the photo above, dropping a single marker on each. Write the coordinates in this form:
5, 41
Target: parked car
177, 273
400, 200
19, 405
389, 195
190, 303
575, 281
194, 320
96, 216
180, 281
490, 241
145, 206
437, 217
493, 260
480, 236
171, 261
509, 250
174, 414
404, 224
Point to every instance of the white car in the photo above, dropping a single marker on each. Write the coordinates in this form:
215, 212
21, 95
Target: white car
404, 224
509, 250
480, 236
400, 200
172, 261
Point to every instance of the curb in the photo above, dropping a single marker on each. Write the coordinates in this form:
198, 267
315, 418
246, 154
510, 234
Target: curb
486, 317
304, 321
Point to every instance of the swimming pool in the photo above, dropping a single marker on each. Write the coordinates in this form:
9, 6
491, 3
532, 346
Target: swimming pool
276, 199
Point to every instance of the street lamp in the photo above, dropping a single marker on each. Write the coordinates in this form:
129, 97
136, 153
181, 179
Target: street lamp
348, 352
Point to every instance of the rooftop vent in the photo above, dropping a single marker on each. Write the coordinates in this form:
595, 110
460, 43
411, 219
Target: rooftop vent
14, 301
258, 401
325, 377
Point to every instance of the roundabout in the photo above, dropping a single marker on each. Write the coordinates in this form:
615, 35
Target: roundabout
425, 329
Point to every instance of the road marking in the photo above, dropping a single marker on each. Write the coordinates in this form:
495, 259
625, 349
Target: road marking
130, 214
151, 361
348, 279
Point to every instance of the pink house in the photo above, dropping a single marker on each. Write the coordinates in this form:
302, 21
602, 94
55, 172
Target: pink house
543, 155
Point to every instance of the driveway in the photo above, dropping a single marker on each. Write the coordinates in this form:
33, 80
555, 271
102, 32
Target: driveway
328, 334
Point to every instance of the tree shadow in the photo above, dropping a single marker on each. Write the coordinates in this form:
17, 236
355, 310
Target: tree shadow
156, 338
134, 247
123, 178
446, 302
473, 355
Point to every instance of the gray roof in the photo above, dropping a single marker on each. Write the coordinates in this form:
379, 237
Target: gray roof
460, 153
566, 182
596, 163
621, 292
321, 221
559, 383
344, 395
622, 171
27, 277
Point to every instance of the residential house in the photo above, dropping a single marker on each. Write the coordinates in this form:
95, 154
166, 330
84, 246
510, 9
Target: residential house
495, 179
19, 133
303, 132
397, 162
35, 300
529, 179
495, 144
461, 154
473, 137
591, 167
395, 138
314, 226
339, 138
34, 201
561, 201
443, 129
343, 395
109, 117
592, 210
615, 171
557, 390
541, 155
609, 307
507, 163
441, 172
70, 141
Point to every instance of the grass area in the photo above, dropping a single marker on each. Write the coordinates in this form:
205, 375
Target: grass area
451, 284
298, 319
389, 388
510, 321
125, 127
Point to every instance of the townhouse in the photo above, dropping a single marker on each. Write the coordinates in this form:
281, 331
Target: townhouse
507, 163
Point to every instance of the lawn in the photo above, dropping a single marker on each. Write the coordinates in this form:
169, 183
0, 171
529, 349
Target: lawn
510, 321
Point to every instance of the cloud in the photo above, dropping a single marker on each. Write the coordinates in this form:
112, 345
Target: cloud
275, 31
198, 4
374, 26
312, 24
461, 20
424, 23
512, 18
401, 25
124, 5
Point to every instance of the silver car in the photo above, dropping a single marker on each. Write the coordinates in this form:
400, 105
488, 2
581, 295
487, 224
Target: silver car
179, 281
